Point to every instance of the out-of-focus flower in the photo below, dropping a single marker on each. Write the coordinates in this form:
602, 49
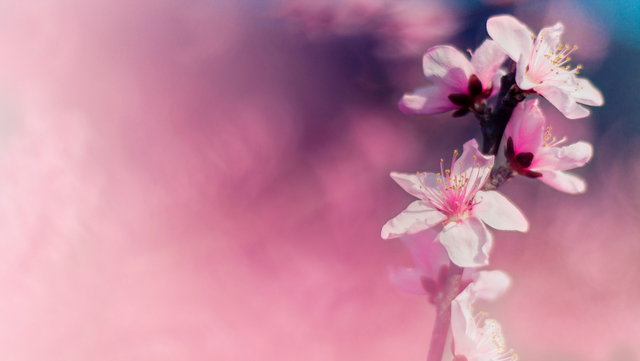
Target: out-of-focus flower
432, 264
454, 198
541, 65
474, 341
402, 28
533, 152
458, 83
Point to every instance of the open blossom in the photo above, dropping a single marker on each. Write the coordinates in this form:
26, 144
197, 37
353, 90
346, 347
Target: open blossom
458, 83
542, 65
432, 263
473, 339
533, 152
454, 198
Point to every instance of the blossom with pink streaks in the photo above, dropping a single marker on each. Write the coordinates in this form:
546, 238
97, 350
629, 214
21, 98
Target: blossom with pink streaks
455, 199
458, 83
474, 341
532, 151
542, 65
432, 264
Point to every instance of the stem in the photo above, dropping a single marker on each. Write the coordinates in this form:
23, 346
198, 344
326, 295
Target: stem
443, 312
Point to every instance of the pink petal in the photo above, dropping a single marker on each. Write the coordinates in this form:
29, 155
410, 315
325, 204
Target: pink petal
565, 158
496, 82
468, 242
432, 99
587, 93
514, 37
491, 284
498, 212
549, 37
467, 162
486, 61
420, 215
407, 280
526, 127
411, 183
521, 69
462, 323
445, 65
563, 101
427, 253
564, 182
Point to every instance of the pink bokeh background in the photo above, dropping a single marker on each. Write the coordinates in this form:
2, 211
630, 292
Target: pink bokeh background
193, 180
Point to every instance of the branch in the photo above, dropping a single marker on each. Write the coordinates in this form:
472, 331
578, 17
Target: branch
443, 312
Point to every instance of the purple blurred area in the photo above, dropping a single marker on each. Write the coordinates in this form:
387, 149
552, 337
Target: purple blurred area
207, 180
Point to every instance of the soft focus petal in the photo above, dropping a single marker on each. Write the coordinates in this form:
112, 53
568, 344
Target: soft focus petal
411, 183
407, 280
491, 284
495, 82
428, 100
462, 323
565, 158
586, 93
498, 212
468, 242
486, 61
446, 65
564, 182
563, 101
526, 127
514, 37
427, 253
420, 215
467, 161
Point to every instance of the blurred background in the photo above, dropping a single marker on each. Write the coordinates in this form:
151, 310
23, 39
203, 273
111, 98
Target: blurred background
207, 180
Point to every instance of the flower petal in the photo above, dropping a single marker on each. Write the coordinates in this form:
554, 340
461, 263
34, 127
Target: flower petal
562, 100
445, 65
462, 322
491, 284
564, 182
526, 127
467, 161
497, 211
427, 253
495, 82
486, 61
565, 158
432, 99
468, 242
514, 37
411, 183
420, 215
587, 94
407, 280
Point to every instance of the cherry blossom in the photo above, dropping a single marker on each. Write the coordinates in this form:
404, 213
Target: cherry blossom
454, 198
458, 83
474, 340
432, 263
542, 65
533, 152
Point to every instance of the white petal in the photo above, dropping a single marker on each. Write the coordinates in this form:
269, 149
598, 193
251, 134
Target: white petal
496, 81
446, 65
491, 284
407, 280
420, 215
411, 183
562, 100
467, 162
587, 93
462, 323
498, 212
427, 252
565, 158
428, 100
486, 61
514, 37
468, 242
564, 182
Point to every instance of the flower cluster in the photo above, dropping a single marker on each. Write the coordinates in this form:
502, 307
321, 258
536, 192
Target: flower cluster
445, 229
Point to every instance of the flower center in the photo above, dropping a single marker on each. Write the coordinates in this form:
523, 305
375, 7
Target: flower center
550, 141
549, 59
455, 189
489, 340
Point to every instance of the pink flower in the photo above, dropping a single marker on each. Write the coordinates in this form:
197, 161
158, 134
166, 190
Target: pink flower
454, 198
474, 341
541, 65
457, 82
432, 263
533, 152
